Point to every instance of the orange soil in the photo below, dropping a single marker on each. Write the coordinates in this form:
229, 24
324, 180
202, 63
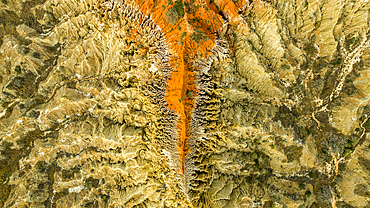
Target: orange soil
190, 34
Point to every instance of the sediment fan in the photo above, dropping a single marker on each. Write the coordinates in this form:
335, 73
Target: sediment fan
184, 103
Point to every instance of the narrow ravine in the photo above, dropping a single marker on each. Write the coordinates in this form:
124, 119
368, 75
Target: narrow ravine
189, 26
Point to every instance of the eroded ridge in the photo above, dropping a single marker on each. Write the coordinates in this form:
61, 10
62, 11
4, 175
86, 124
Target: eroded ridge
90, 114
272, 110
190, 27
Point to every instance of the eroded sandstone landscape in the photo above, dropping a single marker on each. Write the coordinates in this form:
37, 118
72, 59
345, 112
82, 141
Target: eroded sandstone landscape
185, 103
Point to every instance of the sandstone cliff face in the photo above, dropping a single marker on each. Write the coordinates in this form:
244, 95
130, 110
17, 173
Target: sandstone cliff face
208, 104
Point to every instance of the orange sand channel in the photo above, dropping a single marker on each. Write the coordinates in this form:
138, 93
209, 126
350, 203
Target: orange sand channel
196, 19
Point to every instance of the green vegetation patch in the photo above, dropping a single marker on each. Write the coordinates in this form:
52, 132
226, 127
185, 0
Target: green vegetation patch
176, 12
313, 174
293, 152
189, 94
337, 61
199, 36
91, 182
285, 67
179, 7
